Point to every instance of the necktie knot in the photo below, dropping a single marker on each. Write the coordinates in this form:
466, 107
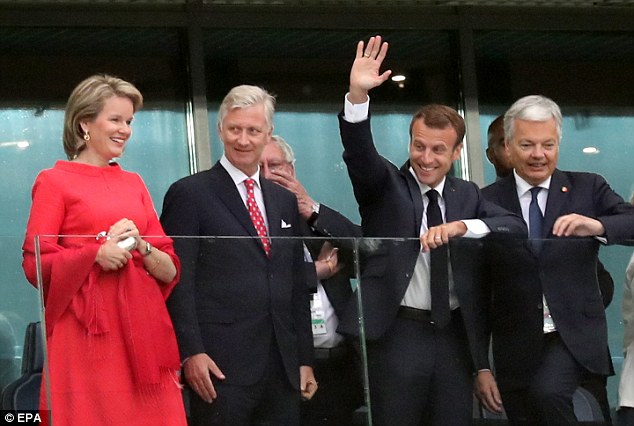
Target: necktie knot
434, 215
432, 194
250, 184
534, 191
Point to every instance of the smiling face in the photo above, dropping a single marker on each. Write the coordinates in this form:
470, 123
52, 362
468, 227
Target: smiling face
109, 131
432, 151
244, 133
534, 149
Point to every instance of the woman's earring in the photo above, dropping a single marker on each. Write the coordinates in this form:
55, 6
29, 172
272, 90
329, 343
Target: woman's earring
86, 136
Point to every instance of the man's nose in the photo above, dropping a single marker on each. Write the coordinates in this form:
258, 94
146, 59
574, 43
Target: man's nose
537, 151
243, 137
426, 156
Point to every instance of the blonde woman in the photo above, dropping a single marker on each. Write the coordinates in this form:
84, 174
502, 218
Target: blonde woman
112, 353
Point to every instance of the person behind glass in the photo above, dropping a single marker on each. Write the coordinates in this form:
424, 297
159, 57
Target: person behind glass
499, 156
112, 352
336, 363
241, 311
417, 321
496, 151
625, 413
548, 322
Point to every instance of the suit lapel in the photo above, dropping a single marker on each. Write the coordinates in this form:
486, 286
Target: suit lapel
415, 193
272, 206
452, 202
229, 195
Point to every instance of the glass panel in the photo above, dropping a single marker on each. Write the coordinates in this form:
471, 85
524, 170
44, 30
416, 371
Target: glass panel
19, 305
228, 312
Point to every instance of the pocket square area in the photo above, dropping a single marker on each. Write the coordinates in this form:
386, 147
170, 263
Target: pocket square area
285, 225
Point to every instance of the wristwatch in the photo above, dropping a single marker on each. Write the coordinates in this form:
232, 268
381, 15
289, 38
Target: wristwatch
315, 215
148, 249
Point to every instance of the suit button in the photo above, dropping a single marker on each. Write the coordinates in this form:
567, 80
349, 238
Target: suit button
407, 275
540, 306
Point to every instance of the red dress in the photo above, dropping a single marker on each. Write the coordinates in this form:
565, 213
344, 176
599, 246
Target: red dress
112, 353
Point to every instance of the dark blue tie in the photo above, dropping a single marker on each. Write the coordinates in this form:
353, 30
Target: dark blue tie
535, 217
439, 274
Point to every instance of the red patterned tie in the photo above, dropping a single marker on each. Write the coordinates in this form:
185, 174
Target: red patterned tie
256, 216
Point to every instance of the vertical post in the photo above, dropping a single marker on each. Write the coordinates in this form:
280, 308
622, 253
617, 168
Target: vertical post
472, 159
197, 119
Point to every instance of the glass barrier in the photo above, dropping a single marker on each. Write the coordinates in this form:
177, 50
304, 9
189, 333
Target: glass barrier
251, 313
19, 305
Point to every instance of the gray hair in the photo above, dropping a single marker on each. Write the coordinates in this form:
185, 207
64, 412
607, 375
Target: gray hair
532, 108
289, 155
245, 96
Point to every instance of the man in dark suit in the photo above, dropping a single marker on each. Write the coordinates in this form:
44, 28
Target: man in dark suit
330, 264
419, 315
241, 311
499, 156
547, 313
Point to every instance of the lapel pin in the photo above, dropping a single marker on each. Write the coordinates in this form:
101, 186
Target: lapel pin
564, 189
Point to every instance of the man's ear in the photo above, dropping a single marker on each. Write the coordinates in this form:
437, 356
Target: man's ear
489, 153
456, 152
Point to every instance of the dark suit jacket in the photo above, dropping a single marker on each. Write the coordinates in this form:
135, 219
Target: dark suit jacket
340, 232
391, 205
232, 300
564, 270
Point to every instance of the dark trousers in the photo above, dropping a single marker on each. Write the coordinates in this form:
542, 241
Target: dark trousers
547, 400
421, 375
271, 401
340, 393
625, 416
597, 386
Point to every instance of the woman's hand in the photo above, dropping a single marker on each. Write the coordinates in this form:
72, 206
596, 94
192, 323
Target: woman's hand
111, 257
123, 229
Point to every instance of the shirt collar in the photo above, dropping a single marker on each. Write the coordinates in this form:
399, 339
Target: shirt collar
424, 188
523, 187
237, 175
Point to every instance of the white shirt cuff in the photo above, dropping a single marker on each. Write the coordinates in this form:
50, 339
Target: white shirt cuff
476, 228
354, 113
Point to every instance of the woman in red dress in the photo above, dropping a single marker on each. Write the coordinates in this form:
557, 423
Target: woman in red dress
112, 353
